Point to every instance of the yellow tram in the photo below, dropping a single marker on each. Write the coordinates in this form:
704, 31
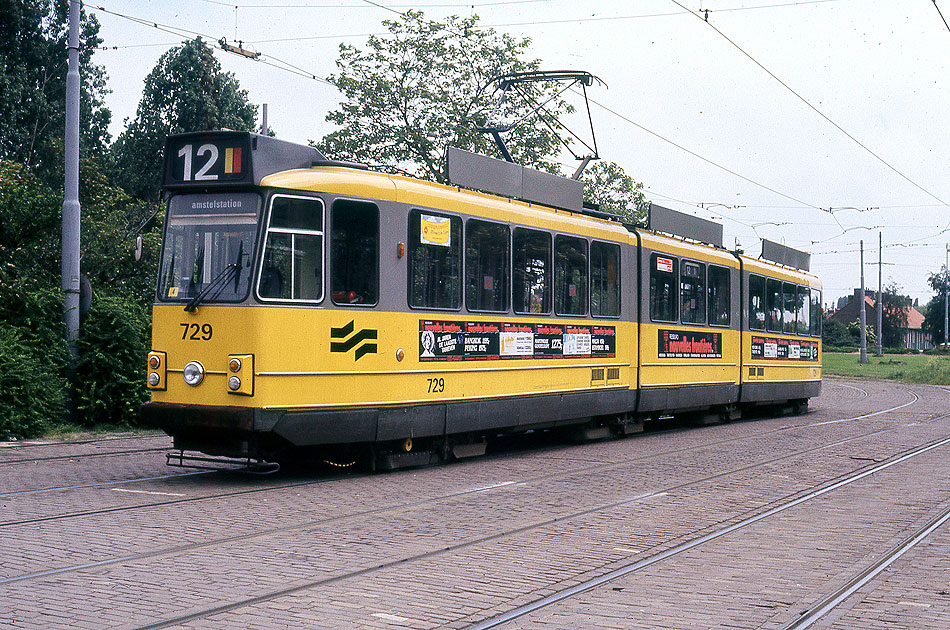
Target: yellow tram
311, 306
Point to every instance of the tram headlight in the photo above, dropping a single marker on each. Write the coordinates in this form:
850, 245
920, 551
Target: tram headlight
234, 365
193, 373
154, 379
154, 362
234, 383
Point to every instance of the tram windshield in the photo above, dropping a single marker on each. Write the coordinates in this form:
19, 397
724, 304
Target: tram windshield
209, 245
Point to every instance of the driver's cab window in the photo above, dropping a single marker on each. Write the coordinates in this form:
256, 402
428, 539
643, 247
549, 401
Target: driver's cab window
292, 265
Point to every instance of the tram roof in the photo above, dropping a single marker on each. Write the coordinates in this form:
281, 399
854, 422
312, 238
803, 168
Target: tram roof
401, 189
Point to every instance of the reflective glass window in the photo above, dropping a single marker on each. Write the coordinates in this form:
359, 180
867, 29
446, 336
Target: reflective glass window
663, 288
604, 279
531, 275
435, 260
354, 253
486, 266
570, 275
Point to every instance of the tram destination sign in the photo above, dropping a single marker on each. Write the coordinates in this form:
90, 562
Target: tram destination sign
214, 158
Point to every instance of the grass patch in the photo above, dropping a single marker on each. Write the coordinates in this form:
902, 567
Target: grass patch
906, 368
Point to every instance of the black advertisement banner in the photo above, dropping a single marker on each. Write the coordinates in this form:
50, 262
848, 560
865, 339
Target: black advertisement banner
474, 341
684, 344
784, 349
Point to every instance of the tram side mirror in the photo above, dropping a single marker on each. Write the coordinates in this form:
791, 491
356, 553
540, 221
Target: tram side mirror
138, 248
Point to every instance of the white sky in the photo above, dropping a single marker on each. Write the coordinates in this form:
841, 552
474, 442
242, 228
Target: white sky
876, 68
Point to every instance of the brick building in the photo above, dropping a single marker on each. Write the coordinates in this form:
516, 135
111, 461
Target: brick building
914, 336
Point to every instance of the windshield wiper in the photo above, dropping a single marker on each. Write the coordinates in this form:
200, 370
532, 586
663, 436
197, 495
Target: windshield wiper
219, 281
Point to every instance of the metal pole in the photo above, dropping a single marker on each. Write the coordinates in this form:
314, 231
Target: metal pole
946, 291
71, 209
864, 323
880, 295
264, 120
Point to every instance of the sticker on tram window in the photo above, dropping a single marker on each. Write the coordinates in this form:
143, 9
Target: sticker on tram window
436, 231
475, 341
664, 264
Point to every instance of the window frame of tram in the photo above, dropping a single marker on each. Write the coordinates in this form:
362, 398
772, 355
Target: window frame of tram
719, 290
605, 279
571, 275
803, 312
218, 229
757, 306
670, 298
296, 227
692, 292
773, 305
354, 250
789, 310
437, 264
815, 320
524, 283
487, 266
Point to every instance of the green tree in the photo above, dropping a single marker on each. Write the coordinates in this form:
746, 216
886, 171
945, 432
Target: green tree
934, 315
607, 185
893, 316
185, 91
33, 67
33, 354
421, 87
854, 329
835, 334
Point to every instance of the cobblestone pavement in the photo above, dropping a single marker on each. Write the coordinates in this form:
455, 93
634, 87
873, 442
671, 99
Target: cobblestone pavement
100, 534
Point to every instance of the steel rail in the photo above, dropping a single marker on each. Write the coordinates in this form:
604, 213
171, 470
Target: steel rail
49, 458
302, 586
829, 603
334, 478
588, 585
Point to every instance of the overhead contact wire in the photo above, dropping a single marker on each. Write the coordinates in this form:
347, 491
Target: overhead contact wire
812, 107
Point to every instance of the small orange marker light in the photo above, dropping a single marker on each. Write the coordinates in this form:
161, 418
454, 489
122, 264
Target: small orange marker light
400, 249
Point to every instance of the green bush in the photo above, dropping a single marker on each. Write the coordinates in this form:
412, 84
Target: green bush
110, 372
847, 349
32, 386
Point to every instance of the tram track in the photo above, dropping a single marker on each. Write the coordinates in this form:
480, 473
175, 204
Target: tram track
830, 602
396, 509
24, 444
819, 610
72, 456
275, 487
695, 540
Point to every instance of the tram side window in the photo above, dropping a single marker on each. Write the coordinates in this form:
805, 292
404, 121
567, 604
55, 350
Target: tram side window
804, 304
663, 294
789, 307
756, 302
354, 253
773, 303
435, 260
814, 322
486, 266
720, 304
293, 252
531, 275
604, 279
693, 293
570, 275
